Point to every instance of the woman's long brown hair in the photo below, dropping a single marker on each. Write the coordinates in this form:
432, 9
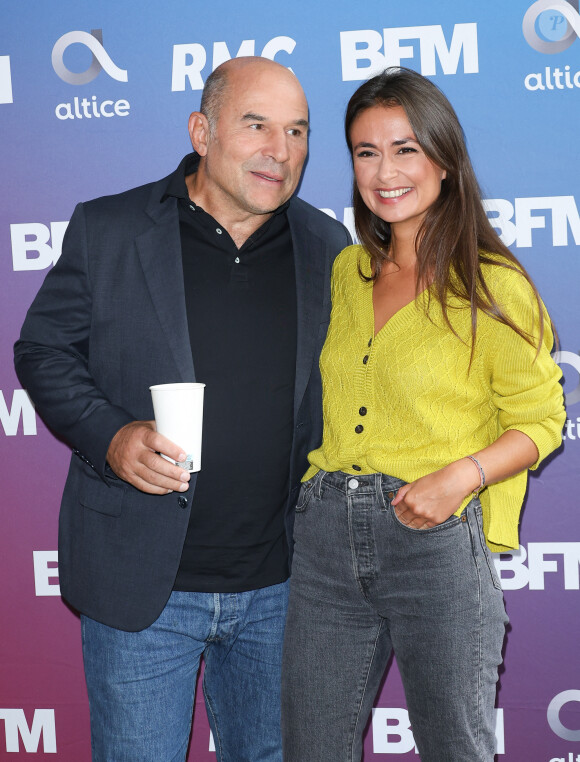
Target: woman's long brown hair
455, 237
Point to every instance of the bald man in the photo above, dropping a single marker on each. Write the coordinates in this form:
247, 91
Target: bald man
217, 274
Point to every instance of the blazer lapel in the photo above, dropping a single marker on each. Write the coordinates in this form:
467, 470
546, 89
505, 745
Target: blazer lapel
310, 262
159, 251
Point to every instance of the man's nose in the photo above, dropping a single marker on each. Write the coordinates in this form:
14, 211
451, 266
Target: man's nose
277, 146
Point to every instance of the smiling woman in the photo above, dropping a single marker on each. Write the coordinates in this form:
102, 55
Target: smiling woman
396, 180
439, 393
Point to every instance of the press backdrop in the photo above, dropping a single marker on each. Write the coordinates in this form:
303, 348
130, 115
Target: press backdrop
94, 99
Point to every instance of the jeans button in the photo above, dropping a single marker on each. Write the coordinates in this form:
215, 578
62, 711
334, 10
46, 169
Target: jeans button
352, 483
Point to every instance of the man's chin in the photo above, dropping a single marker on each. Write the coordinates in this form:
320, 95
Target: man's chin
266, 206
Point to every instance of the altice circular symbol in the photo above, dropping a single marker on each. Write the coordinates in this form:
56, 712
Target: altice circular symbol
551, 26
100, 58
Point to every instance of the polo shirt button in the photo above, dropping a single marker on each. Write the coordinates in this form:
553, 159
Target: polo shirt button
218, 231
237, 260
359, 429
365, 359
362, 411
356, 468
182, 502
352, 483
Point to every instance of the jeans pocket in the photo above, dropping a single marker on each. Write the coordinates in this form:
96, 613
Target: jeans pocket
449, 523
306, 490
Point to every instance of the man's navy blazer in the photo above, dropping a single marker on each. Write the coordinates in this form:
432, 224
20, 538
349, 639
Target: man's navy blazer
109, 321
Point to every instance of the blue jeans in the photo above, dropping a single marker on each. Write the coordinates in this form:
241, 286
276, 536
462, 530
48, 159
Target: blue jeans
364, 585
142, 684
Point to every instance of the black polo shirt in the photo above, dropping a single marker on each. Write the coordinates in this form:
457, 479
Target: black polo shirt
241, 311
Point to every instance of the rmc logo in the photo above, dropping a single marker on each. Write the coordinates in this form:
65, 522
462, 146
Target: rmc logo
366, 52
551, 26
190, 59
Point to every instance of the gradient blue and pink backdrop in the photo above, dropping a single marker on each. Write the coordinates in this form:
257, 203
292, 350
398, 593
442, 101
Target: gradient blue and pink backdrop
511, 69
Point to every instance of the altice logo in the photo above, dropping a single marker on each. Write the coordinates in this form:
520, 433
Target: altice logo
100, 58
88, 107
551, 26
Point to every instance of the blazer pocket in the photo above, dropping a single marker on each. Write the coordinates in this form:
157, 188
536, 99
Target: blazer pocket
102, 496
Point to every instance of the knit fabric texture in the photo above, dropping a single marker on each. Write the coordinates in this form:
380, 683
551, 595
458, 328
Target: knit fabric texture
406, 402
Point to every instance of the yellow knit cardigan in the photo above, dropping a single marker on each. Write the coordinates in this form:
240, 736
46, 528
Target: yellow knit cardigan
406, 403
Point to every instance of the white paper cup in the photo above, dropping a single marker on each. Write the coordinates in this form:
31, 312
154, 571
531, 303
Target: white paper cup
179, 417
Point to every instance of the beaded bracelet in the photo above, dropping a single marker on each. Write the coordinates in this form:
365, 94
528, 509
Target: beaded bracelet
477, 490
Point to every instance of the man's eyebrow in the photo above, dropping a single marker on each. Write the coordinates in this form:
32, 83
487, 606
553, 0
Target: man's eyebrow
252, 117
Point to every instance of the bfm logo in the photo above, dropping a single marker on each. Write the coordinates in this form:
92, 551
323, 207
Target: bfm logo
87, 108
515, 575
21, 409
16, 728
551, 26
562, 210
362, 57
45, 563
510, 566
392, 732
190, 59
5, 80
36, 246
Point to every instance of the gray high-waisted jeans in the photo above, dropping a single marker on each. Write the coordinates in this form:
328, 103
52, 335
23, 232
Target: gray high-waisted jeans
363, 585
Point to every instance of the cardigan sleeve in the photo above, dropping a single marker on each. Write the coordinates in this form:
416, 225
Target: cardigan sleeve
525, 382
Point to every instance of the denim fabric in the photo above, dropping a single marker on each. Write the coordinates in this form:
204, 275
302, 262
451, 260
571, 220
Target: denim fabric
142, 684
364, 585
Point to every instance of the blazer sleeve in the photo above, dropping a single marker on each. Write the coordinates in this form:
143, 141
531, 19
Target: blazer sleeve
52, 354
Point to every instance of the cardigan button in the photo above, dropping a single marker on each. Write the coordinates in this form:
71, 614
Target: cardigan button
365, 359
359, 429
362, 411
356, 468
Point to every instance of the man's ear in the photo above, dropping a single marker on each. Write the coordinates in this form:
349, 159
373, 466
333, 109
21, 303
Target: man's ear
198, 128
